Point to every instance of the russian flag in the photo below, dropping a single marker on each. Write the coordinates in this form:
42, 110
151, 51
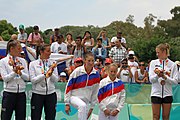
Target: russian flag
108, 90
3, 49
83, 81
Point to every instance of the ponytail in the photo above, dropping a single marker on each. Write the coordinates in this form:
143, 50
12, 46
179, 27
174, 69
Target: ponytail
164, 46
11, 43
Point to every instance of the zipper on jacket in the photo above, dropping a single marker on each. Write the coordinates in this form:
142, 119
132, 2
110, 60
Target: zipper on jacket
18, 88
112, 88
46, 86
87, 79
163, 85
45, 78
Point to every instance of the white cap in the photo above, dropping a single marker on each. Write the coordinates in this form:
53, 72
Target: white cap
63, 74
22, 52
131, 52
177, 63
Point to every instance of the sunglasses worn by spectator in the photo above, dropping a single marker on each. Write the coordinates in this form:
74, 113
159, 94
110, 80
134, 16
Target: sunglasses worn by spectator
78, 62
141, 64
124, 63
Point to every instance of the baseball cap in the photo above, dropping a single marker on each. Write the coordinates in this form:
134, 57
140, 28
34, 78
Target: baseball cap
62, 74
131, 52
177, 63
78, 59
21, 26
108, 60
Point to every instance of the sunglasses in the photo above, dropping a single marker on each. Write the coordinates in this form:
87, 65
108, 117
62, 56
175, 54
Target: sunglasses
78, 61
141, 64
124, 63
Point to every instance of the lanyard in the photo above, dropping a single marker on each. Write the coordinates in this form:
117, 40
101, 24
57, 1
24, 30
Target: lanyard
44, 66
162, 63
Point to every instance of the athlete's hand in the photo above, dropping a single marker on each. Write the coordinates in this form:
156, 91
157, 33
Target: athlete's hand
89, 113
107, 112
114, 112
67, 109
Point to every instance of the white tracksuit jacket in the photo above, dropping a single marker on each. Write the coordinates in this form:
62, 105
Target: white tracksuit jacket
40, 85
13, 82
111, 94
83, 86
168, 66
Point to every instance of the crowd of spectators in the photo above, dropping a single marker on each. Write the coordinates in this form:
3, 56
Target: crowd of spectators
104, 49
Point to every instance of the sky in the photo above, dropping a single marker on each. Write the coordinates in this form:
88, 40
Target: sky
57, 13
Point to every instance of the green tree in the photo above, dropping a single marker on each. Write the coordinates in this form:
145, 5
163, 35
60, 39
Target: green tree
130, 19
149, 27
7, 29
171, 26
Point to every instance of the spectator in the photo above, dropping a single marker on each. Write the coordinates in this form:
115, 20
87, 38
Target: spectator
14, 37
88, 41
105, 39
1, 39
35, 38
22, 36
122, 40
63, 77
141, 75
78, 50
104, 70
59, 46
125, 73
99, 64
131, 53
53, 38
118, 53
77, 63
70, 43
99, 50
133, 66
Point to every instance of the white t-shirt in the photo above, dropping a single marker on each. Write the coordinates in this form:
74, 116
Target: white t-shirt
124, 75
100, 51
55, 47
133, 66
22, 36
123, 40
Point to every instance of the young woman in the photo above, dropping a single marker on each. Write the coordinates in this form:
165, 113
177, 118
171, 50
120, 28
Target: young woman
141, 75
88, 41
70, 43
82, 88
111, 95
43, 75
14, 72
162, 74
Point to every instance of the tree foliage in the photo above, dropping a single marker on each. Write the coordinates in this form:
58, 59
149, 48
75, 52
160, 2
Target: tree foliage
172, 26
6, 30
